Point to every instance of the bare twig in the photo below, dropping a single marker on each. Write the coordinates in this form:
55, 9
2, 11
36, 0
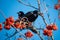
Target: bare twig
41, 14
40, 28
40, 36
23, 35
20, 32
54, 21
33, 29
48, 37
38, 5
26, 4
52, 37
44, 20
46, 9
2, 13
17, 31
58, 13
12, 35
49, 17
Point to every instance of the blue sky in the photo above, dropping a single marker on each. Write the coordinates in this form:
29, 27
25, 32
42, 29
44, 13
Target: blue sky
11, 7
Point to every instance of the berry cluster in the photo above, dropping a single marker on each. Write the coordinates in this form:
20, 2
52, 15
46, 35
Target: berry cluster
49, 28
9, 21
28, 34
57, 6
20, 25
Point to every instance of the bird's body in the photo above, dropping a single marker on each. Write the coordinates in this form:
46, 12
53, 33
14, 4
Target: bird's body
31, 16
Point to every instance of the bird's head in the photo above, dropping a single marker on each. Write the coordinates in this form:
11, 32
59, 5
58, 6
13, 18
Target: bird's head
20, 13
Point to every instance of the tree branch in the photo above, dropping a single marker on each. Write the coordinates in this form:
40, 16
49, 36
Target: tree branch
40, 36
38, 5
40, 28
52, 37
26, 4
17, 31
2, 13
46, 9
12, 35
41, 14
33, 29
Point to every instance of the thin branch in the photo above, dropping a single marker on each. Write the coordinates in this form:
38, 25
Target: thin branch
48, 37
41, 14
46, 9
52, 37
40, 36
44, 20
59, 13
2, 13
23, 35
40, 28
13, 34
38, 5
49, 17
19, 32
26, 4
54, 21
33, 29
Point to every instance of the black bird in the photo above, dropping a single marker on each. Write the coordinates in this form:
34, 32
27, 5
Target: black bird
32, 16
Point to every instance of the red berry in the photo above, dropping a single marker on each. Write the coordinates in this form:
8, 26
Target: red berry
29, 34
7, 21
49, 27
17, 25
7, 27
20, 39
49, 33
11, 19
0, 26
22, 26
45, 32
54, 26
57, 6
